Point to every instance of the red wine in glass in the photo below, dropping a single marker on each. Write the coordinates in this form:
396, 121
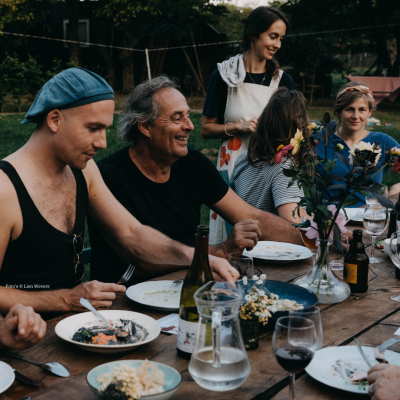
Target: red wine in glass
293, 358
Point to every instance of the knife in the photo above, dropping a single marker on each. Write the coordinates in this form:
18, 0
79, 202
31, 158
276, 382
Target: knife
24, 379
359, 348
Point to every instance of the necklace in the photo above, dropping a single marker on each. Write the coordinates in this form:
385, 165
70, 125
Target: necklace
265, 74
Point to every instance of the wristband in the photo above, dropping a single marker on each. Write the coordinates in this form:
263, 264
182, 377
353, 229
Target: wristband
226, 133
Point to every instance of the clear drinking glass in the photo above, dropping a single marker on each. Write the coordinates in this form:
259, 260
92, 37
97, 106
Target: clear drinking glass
293, 343
394, 253
336, 256
243, 264
314, 314
375, 220
311, 244
383, 191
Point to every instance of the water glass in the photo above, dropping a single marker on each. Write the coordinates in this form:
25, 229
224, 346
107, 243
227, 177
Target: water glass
383, 191
375, 221
336, 256
394, 253
293, 343
242, 263
314, 314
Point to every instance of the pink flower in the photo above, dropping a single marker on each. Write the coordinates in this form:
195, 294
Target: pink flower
340, 221
282, 152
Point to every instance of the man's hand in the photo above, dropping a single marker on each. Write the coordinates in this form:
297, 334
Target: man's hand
22, 328
222, 270
244, 235
385, 381
99, 294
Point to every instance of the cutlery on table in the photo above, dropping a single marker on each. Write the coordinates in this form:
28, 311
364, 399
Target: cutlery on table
379, 351
118, 333
24, 379
54, 367
178, 281
127, 274
361, 351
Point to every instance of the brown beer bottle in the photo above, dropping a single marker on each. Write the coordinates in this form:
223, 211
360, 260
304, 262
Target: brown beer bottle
356, 265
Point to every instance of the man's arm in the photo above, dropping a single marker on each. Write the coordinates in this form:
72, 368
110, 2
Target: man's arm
234, 209
132, 240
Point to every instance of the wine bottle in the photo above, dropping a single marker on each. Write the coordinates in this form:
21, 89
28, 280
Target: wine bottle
198, 275
394, 219
356, 265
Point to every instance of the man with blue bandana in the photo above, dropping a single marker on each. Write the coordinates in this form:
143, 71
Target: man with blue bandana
46, 188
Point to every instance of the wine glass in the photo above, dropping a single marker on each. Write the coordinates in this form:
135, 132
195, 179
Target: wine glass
336, 257
394, 253
311, 244
383, 191
314, 314
293, 343
242, 263
375, 220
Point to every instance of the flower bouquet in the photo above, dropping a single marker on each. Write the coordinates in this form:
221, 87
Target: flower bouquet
312, 174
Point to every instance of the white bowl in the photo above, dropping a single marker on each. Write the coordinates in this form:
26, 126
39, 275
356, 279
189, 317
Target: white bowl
386, 245
66, 329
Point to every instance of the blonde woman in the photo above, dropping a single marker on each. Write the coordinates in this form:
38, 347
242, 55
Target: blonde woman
238, 92
354, 104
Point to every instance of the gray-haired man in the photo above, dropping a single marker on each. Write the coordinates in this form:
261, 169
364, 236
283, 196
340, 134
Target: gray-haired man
164, 184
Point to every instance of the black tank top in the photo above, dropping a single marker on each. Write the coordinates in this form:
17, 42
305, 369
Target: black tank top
42, 257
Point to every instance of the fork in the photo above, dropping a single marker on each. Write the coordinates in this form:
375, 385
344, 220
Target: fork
127, 275
387, 344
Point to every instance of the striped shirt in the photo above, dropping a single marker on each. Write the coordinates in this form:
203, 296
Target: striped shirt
265, 188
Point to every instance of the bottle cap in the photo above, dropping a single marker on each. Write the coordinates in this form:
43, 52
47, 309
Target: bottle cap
204, 229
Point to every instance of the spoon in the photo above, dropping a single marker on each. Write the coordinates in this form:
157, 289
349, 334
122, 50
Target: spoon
54, 367
118, 333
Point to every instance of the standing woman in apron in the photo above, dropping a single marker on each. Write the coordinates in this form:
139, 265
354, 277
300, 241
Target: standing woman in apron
238, 91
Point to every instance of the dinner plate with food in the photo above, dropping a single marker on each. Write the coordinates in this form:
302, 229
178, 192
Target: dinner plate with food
279, 252
162, 295
140, 378
344, 368
89, 332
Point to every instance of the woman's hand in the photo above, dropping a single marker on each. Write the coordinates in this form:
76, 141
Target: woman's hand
245, 127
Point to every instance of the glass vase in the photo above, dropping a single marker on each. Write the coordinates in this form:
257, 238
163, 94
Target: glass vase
250, 332
328, 287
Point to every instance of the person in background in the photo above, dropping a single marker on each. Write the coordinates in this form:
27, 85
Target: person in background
384, 381
257, 178
163, 183
354, 104
238, 92
22, 328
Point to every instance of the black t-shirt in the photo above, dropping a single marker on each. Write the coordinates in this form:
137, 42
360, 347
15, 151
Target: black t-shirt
217, 91
172, 208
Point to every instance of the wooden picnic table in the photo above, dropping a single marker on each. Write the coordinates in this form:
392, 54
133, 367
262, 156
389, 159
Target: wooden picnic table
372, 317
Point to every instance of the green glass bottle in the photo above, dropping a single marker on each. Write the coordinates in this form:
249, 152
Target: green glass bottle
198, 275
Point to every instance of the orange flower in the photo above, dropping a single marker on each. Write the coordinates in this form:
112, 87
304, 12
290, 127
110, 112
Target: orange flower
224, 158
214, 215
234, 144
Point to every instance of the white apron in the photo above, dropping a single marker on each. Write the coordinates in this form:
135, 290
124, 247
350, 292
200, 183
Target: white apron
244, 103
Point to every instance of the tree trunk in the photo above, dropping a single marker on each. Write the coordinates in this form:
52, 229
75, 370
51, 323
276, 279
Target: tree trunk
105, 53
72, 29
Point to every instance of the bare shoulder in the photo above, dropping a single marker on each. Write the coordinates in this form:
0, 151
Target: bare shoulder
92, 174
9, 204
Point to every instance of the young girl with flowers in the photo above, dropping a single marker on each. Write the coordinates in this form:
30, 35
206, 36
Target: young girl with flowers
354, 104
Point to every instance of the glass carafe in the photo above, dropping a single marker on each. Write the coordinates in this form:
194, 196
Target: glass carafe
219, 361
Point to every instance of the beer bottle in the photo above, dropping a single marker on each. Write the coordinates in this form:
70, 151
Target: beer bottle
356, 265
198, 275
394, 219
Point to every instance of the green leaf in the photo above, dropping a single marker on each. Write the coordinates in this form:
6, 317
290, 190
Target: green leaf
305, 224
343, 160
364, 192
324, 210
326, 118
289, 172
351, 202
337, 240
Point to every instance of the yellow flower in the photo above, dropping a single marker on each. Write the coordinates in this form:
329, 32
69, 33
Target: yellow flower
395, 150
312, 126
296, 141
340, 146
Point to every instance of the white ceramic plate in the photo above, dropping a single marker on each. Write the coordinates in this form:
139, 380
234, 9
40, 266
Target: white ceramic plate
163, 295
323, 367
279, 252
66, 329
7, 376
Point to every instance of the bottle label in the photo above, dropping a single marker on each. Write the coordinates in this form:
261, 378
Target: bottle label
351, 273
186, 335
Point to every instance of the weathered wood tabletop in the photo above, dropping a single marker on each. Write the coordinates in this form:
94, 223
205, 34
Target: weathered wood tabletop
372, 317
